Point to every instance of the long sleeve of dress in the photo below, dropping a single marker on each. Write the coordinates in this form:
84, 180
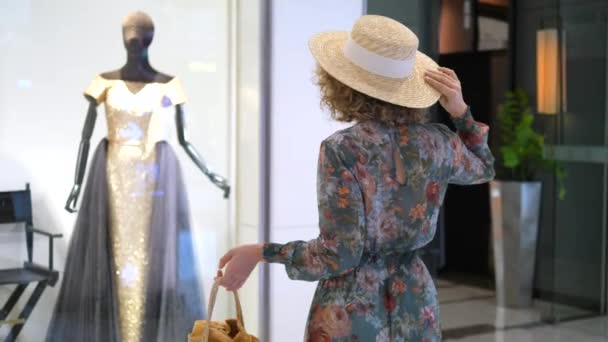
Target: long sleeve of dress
473, 162
339, 246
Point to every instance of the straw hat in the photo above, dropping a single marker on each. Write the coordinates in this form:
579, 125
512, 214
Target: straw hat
379, 58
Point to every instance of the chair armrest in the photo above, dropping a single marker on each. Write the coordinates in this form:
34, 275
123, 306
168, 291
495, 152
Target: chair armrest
51, 237
44, 232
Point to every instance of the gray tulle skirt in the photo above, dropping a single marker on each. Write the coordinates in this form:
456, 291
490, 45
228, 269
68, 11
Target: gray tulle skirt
86, 309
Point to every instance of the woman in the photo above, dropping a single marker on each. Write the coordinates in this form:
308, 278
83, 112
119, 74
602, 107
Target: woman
381, 183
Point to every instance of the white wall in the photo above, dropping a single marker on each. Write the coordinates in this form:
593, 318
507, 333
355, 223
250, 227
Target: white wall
50, 51
298, 127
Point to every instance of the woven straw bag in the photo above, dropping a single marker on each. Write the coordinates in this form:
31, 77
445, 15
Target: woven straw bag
230, 330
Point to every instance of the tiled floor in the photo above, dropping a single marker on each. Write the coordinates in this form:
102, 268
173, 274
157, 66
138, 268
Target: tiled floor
470, 314
589, 330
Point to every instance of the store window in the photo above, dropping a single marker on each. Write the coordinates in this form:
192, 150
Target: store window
53, 52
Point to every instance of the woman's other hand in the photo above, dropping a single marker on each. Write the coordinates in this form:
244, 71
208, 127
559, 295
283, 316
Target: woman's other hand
239, 263
446, 82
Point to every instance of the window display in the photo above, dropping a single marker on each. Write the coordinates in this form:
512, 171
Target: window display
139, 258
132, 237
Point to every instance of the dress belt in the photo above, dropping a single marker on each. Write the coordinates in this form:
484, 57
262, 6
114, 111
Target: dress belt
136, 143
384, 256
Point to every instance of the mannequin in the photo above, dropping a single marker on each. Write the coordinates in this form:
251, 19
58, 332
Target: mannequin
138, 32
130, 273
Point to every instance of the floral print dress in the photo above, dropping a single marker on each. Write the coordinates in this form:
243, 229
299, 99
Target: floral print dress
372, 284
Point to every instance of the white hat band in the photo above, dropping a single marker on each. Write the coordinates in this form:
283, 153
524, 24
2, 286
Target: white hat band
376, 64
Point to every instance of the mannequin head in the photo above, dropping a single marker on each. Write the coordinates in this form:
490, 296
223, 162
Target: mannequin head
137, 32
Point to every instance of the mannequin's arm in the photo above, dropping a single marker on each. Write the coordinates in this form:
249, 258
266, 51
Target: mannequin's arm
219, 181
83, 154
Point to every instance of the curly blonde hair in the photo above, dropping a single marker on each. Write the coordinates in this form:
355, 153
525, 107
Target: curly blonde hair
349, 105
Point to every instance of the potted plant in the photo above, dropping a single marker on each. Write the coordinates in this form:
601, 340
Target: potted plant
515, 200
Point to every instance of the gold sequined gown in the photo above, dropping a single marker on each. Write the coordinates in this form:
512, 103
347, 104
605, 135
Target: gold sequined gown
138, 123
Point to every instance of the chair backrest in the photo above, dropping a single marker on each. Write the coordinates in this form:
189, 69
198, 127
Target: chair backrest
16, 207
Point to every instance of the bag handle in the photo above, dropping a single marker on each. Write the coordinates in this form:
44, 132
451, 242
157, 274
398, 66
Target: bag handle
212, 299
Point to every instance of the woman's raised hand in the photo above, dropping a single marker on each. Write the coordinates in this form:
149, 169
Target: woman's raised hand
446, 82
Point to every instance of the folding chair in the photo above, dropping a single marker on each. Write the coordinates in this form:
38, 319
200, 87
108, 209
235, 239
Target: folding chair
16, 207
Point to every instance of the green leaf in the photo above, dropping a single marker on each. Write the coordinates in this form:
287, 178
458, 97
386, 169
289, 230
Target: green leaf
510, 157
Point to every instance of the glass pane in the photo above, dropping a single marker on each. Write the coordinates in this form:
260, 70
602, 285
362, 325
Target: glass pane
580, 219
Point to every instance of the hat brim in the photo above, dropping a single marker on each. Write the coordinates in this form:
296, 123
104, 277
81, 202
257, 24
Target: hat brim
413, 92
